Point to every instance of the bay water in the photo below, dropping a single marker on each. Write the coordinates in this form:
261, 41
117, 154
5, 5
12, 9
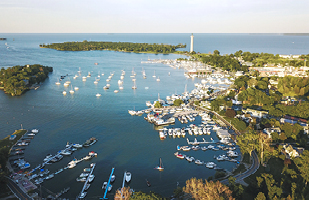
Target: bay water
125, 142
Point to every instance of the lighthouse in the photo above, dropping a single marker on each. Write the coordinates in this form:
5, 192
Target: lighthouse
191, 47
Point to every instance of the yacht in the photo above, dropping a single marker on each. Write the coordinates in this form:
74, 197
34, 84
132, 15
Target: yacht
72, 91
128, 177
76, 88
116, 91
134, 86
77, 145
66, 84
82, 195
84, 78
35, 130
105, 87
210, 165
91, 177
154, 75
158, 79
95, 82
64, 92
120, 87
57, 83
98, 95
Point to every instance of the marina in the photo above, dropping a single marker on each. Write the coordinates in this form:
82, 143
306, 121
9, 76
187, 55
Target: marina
79, 116
86, 184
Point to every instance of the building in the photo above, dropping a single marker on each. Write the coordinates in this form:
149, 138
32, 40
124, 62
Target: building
191, 47
256, 113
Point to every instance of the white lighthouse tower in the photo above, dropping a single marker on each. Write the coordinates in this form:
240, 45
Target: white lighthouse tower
191, 47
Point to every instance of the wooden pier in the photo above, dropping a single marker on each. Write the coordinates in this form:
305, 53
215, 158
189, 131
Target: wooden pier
196, 142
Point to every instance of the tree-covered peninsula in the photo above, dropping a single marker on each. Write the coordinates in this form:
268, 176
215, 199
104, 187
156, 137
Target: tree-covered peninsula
114, 46
18, 79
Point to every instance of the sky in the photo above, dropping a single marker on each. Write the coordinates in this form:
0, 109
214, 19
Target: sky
154, 16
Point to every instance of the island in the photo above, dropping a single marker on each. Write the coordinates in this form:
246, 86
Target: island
18, 79
114, 46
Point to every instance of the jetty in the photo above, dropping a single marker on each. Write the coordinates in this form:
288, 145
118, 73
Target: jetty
87, 180
108, 183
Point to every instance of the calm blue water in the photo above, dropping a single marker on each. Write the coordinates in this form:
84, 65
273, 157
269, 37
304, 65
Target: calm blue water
125, 142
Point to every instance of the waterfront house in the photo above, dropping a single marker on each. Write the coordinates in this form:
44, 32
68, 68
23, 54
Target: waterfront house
256, 113
269, 131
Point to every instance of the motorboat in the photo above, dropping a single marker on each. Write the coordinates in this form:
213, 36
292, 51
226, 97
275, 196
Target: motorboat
148, 183
104, 185
98, 95
91, 177
87, 186
128, 176
198, 162
90, 142
106, 87
116, 91
160, 167
82, 195
47, 158
113, 178
190, 159
210, 165
120, 87
179, 155
87, 169
35, 130
84, 174
77, 145
95, 82
65, 152
109, 188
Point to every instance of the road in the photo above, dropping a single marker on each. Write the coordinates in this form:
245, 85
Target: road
19, 193
255, 160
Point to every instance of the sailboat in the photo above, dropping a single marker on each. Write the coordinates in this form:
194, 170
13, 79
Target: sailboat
71, 91
134, 86
160, 168
154, 75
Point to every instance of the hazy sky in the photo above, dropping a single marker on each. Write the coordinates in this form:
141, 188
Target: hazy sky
154, 16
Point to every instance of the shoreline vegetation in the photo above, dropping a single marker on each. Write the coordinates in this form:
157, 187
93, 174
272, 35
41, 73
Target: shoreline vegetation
5, 146
18, 79
114, 46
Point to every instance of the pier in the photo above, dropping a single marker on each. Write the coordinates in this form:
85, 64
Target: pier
108, 183
86, 182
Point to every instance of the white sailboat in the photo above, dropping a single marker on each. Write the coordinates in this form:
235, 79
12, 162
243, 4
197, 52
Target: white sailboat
158, 79
160, 167
154, 75
134, 86
72, 91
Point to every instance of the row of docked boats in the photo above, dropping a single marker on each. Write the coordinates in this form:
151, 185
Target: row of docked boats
210, 164
209, 147
87, 177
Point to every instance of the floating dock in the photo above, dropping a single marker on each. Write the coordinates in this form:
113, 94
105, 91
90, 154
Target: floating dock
86, 182
108, 183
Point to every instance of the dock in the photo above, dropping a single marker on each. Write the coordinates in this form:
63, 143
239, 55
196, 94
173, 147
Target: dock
108, 183
86, 182
196, 142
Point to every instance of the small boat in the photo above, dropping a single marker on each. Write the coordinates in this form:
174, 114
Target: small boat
87, 186
154, 75
158, 79
148, 183
91, 177
128, 176
50, 176
35, 130
64, 92
81, 179
47, 158
90, 142
57, 83
105, 87
179, 155
95, 82
113, 178
82, 195
76, 88
98, 95
104, 185
134, 86
84, 174
116, 91
77, 145
120, 87
160, 167
109, 188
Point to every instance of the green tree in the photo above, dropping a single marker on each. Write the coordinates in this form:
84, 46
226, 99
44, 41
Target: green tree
248, 142
178, 102
260, 196
302, 163
158, 105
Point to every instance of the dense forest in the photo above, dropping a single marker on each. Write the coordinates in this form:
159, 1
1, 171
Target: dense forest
17, 79
115, 46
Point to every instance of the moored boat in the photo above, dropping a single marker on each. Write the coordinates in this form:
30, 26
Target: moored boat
128, 176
